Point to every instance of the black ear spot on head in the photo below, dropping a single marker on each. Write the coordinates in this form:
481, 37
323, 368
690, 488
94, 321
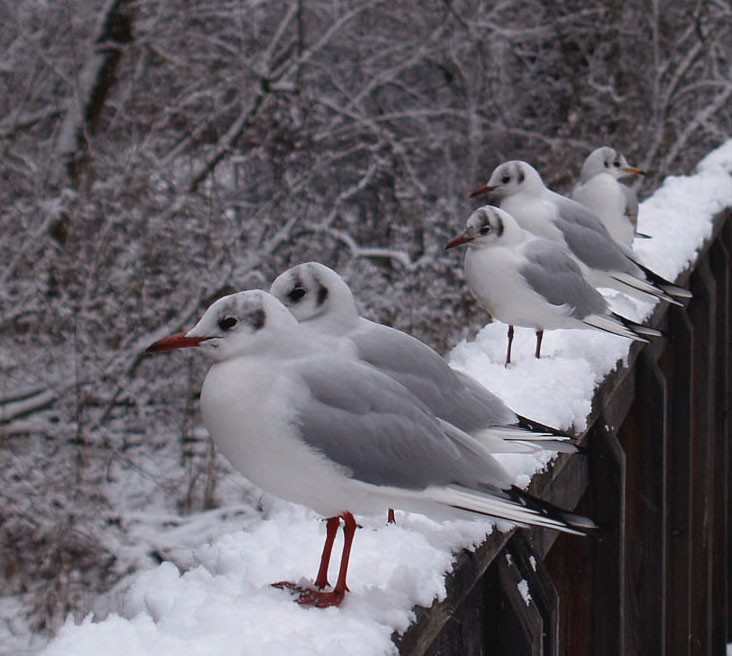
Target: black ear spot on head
257, 319
499, 226
521, 176
322, 294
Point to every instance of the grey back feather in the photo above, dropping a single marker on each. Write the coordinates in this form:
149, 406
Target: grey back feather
589, 240
456, 398
553, 274
373, 427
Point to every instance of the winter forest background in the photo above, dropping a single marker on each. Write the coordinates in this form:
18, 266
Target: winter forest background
156, 155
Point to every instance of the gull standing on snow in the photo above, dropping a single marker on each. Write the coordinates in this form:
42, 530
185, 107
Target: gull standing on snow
323, 304
604, 262
599, 189
336, 435
525, 280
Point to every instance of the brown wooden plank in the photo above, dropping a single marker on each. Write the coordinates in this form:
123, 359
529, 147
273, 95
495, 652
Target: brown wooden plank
469, 569
676, 363
726, 237
543, 593
564, 487
643, 437
701, 312
520, 626
607, 493
719, 261
473, 623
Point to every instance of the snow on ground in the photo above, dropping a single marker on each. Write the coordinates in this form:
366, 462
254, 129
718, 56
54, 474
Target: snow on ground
223, 603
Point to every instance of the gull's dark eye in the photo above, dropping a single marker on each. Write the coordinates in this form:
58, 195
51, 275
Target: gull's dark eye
485, 229
616, 164
296, 294
505, 179
227, 323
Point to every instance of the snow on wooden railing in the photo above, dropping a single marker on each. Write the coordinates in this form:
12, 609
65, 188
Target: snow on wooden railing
655, 476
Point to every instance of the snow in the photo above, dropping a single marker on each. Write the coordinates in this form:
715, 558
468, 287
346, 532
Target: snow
222, 603
523, 588
226, 605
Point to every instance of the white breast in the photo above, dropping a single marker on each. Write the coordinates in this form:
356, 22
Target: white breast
250, 409
494, 279
603, 196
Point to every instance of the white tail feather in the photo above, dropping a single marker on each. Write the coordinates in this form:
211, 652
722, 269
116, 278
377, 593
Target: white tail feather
487, 504
629, 282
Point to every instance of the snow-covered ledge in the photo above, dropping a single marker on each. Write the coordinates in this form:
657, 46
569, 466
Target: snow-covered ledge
225, 605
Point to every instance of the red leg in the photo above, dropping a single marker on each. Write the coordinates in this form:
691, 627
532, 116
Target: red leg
539, 337
332, 524
321, 580
319, 598
322, 599
510, 341
349, 530
390, 519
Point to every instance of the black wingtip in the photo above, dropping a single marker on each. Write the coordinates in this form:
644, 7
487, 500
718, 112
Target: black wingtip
579, 523
669, 288
638, 328
538, 427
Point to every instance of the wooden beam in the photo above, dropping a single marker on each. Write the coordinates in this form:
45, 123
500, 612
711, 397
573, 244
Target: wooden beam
676, 363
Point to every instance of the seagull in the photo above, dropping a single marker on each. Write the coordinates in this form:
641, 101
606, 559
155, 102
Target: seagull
525, 280
323, 304
323, 430
599, 189
605, 263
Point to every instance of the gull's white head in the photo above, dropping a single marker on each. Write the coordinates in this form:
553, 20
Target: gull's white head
488, 226
313, 293
247, 323
512, 178
607, 160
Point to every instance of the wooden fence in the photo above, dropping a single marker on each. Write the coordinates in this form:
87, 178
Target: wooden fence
656, 477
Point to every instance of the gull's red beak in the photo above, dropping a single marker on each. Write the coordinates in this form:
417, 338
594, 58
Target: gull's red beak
459, 241
174, 342
483, 189
634, 170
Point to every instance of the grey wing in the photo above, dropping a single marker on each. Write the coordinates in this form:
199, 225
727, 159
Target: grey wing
631, 204
588, 239
492, 406
456, 398
553, 274
372, 426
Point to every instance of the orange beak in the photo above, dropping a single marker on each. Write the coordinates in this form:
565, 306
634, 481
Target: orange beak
459, 241
483, 189
174, 342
